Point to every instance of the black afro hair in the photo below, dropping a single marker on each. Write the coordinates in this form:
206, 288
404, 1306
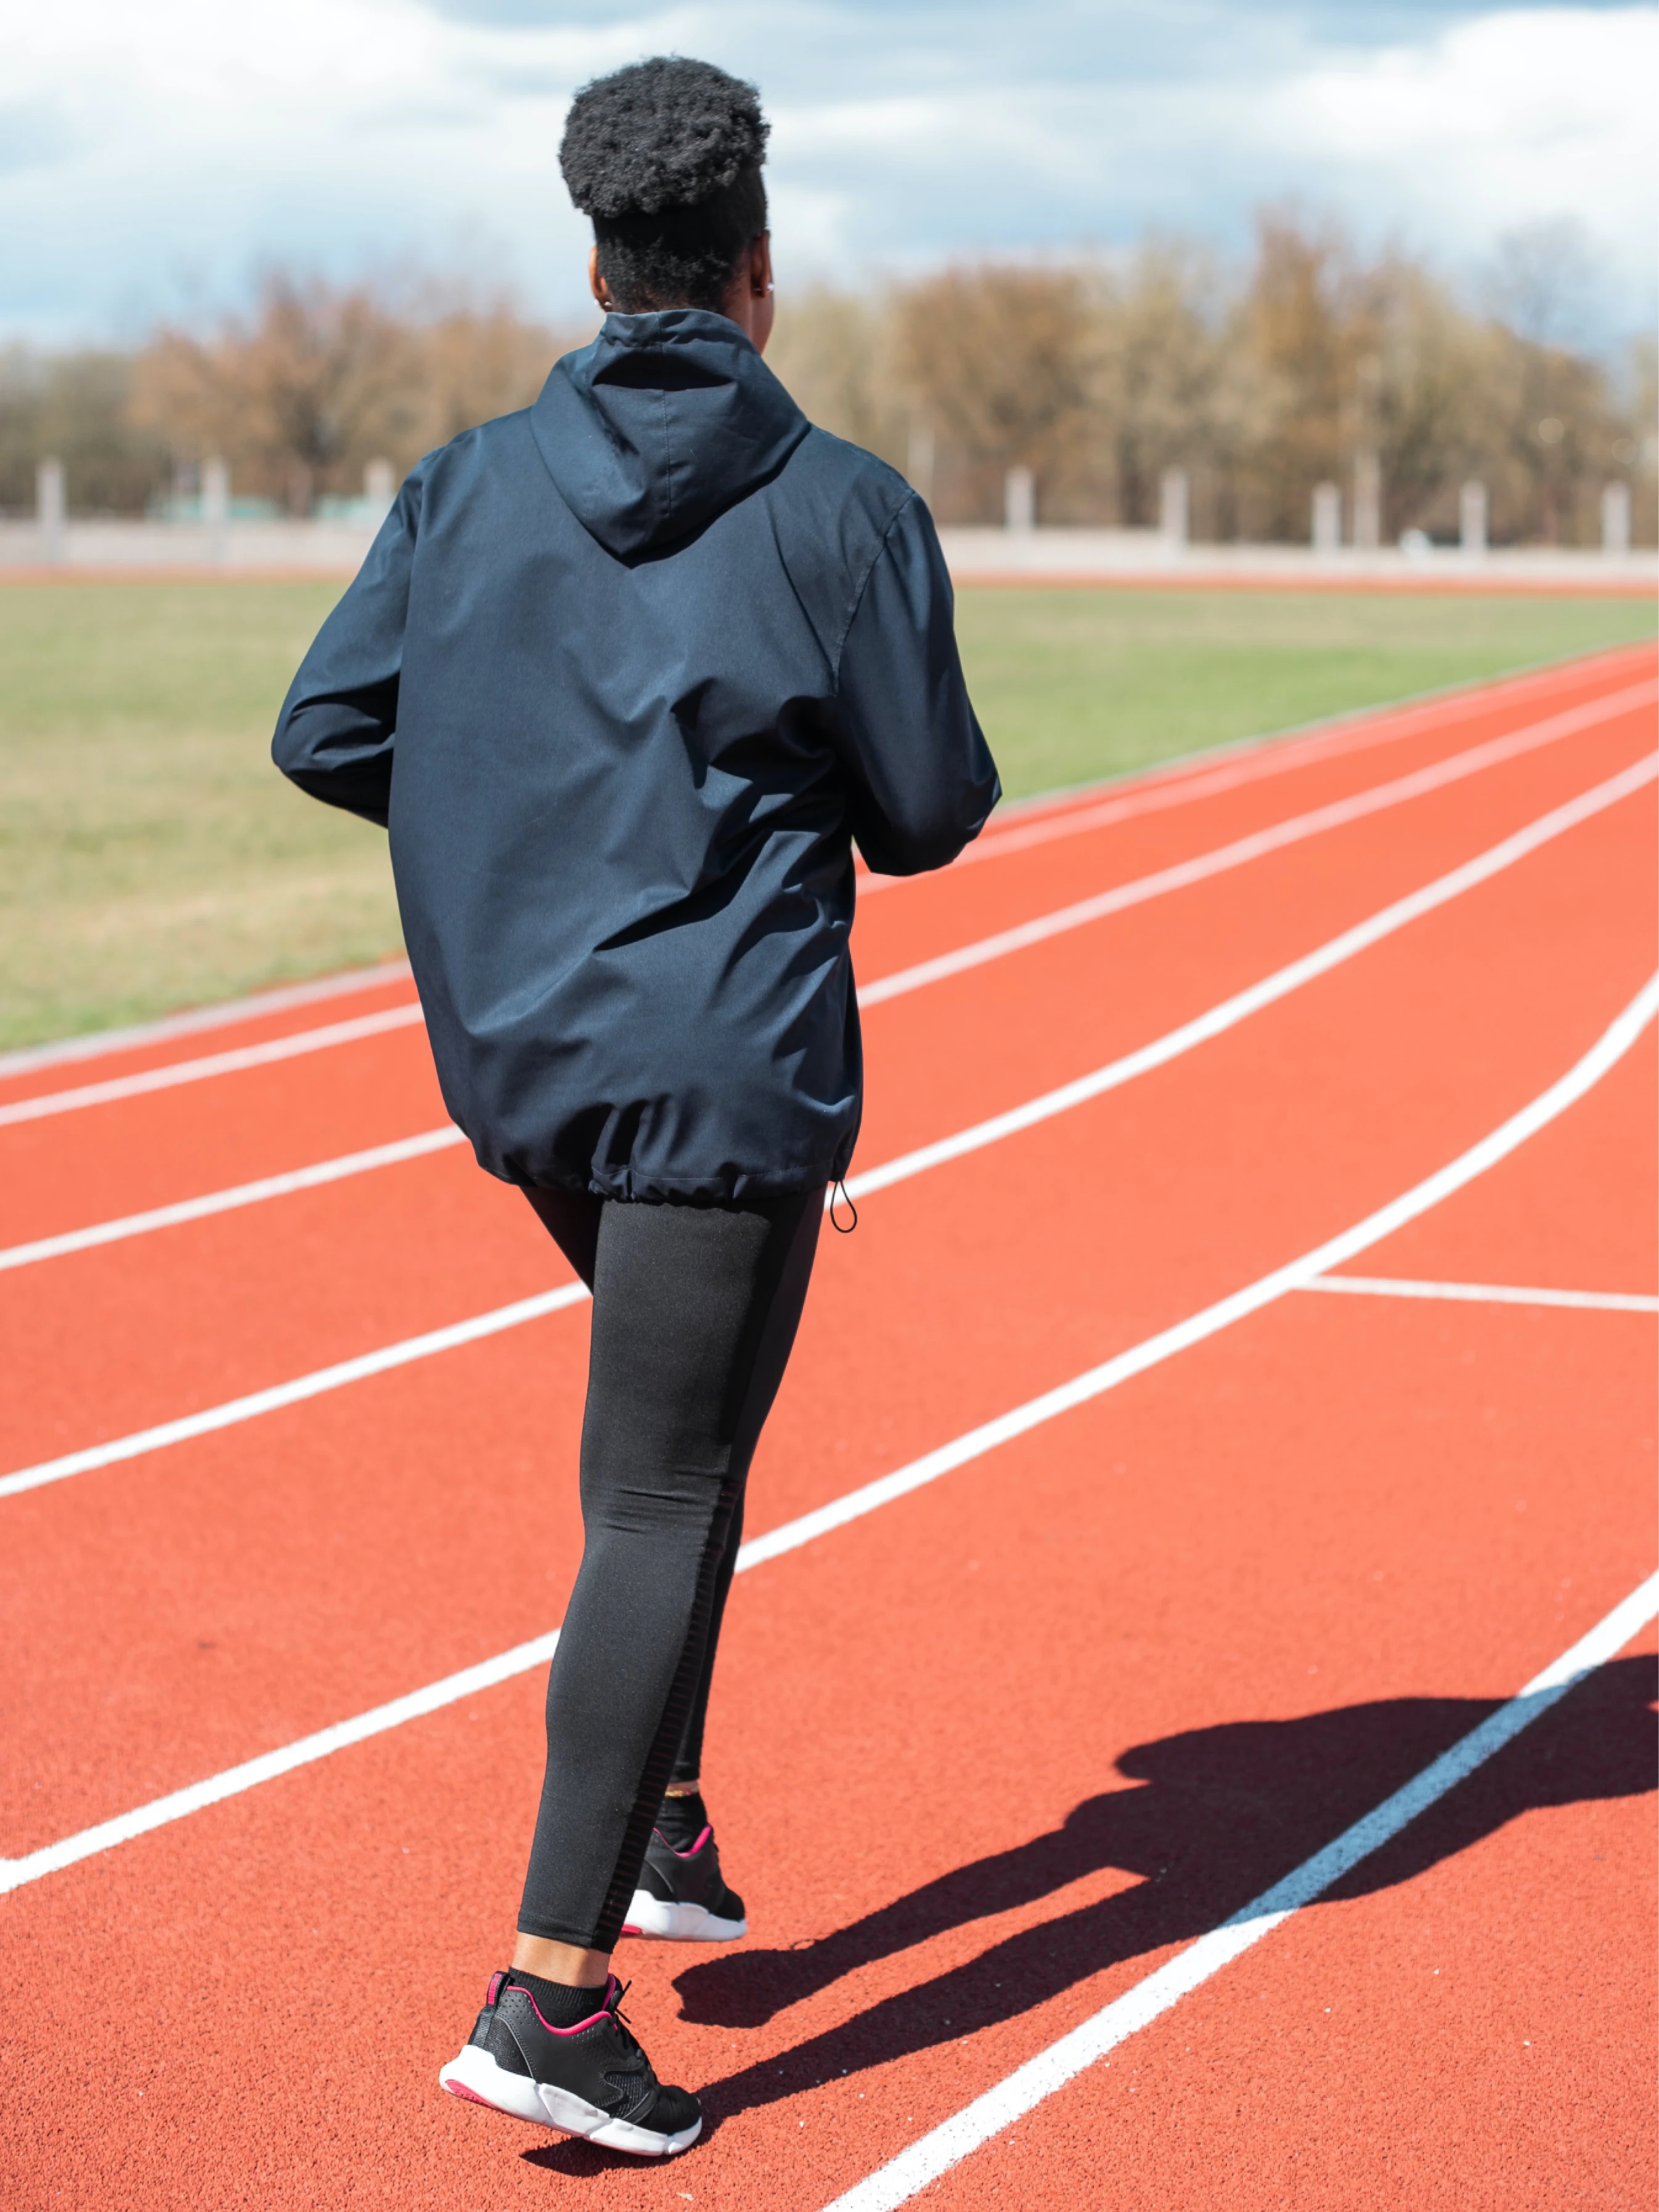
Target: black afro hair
665, 133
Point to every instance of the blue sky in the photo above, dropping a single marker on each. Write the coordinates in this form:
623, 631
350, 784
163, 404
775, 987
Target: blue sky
152, 156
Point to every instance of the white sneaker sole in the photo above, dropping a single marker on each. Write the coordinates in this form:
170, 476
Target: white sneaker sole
475, 2076
679, 1923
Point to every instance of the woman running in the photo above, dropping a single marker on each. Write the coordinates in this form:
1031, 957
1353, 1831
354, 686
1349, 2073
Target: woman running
625, 674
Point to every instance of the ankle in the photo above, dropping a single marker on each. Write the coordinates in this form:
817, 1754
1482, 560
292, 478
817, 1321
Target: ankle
682, 1818
565, 1963
559, 2004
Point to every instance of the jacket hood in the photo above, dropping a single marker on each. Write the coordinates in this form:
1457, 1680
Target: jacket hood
661, 424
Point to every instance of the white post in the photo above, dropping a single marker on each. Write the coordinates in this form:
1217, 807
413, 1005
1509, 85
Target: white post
1019, 500
919, 470
1326, 518
379, 487
216, 508
1173, 508
1615, 518
49, 509
1472, 518
1367, 502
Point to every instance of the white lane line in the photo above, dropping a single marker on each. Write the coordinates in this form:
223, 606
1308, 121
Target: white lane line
1230, 1011
1162, 783
322, 1379
227, 1201
1608, 1051
944, 2146
213, 1063
1250, 760
1205, 1026
1275, 838
179, 1804
1093, 1085
1604, 1054
1494, 1294
100, 1044
1205, 865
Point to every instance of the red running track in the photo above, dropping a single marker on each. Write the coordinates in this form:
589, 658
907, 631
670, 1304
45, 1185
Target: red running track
988, 1756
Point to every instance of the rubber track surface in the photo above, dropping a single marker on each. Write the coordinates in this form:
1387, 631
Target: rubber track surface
981, 1759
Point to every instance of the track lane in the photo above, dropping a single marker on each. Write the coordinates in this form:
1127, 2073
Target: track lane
275, 1011
922, 917
962, 1302
121, 1330
1362, 1543
1126, 1555
1043, 820
1079, 1000
39, 1071
150, 1144
170, 1031
173, 1144
135, 1334
1438, 2052
1370, 2123
1308, 1272
196, 1940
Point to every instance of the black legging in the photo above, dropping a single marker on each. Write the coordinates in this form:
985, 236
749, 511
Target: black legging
695, 1312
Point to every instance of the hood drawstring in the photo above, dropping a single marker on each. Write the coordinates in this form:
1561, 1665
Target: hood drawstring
839, 1192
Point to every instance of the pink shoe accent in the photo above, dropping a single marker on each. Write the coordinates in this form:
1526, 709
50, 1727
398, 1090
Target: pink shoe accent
580, 2024
629, 1928
457, 2089
692, 1853
494, 1989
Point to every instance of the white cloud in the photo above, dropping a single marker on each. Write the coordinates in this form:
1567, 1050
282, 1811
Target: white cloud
146, 150
1506, 120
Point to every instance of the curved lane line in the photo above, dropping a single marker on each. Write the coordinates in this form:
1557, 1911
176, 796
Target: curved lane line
1230, 1011
1608, 1049
1485, 1294
223, 1014
1234, 855
1136, 790
1274, 839
1197, 777
1201, 1030
1266, 1290
946, 2145
229, 1200
233, 1411
213, 1063
1212, 1024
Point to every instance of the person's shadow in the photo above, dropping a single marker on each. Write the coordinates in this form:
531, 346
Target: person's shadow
1219, 1815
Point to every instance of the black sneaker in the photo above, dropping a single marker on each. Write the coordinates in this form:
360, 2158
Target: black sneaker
591, 2080
682, 1897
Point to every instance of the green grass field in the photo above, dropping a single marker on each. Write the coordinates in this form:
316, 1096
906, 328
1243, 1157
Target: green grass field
150, 858
1075, 685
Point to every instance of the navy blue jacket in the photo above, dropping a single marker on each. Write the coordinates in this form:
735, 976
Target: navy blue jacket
624, 674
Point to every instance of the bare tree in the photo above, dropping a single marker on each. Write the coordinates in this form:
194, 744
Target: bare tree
1098, 375
1544, 283
1304, 332
289, 398
1163, 383
1004, 362
834, 351
473, 359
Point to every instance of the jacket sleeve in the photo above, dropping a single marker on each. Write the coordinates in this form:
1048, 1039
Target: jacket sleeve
921, 777
336, 733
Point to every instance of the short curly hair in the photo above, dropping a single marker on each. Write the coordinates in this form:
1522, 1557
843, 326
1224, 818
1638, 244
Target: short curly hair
666, 157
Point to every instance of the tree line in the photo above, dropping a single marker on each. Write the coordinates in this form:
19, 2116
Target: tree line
1096, 373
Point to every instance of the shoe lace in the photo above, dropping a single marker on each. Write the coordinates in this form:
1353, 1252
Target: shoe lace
630, 2041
